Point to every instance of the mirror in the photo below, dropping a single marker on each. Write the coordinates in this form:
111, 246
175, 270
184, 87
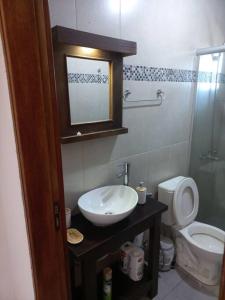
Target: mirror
89, 90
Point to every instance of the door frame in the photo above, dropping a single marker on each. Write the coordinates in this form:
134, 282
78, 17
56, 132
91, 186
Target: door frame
26, 35
222, 281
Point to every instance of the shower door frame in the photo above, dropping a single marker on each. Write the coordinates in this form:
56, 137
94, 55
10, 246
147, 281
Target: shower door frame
222, 281
200, 52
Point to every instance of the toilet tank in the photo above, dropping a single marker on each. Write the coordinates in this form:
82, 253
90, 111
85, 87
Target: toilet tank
166, 191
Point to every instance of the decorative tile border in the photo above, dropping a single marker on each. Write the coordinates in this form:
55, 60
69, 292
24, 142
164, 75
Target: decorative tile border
221, 78
205, 77
143, 73
87, 78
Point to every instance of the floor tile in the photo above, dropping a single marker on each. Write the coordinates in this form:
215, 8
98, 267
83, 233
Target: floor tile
176, 285
171, 278
167, 282
212, 291
171, 296
184, 291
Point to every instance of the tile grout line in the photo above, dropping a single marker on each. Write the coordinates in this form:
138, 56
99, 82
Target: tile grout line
120, 19
176, 285
146, 152
180, 282
76, 21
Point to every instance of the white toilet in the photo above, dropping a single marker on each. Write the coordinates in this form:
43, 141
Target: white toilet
199, 247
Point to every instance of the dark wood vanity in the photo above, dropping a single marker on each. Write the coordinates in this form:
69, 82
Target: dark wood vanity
101, 241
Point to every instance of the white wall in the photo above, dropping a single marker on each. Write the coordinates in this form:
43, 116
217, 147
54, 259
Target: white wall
167, 34
16, 281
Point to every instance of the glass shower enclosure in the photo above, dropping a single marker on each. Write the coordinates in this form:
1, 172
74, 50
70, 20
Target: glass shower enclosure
207, 160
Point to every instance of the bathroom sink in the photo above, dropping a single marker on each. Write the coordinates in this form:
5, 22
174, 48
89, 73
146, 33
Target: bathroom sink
108, 205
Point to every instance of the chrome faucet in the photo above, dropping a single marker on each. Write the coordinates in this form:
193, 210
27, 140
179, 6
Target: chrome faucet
125, 173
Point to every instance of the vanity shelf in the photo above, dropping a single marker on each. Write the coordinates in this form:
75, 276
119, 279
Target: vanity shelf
98, 242
126, 289
93, 135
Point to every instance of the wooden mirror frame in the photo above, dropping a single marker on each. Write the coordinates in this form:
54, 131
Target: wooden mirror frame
68, 42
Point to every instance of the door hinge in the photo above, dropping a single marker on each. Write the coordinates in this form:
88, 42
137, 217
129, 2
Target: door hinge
56, 208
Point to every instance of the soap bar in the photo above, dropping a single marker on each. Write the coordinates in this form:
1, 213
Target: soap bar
74, 236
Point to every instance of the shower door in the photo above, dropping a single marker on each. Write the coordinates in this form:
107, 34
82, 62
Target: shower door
207, 161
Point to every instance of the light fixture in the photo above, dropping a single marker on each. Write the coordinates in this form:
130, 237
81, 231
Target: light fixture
86, 50
128, 6
114, 6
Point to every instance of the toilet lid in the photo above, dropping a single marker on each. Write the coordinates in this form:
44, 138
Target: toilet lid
185, 202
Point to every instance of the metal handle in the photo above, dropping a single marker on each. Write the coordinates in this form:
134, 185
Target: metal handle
209, 156
56, 209
159, 97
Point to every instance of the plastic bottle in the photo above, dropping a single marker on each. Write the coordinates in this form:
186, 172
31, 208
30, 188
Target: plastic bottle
139, 240
167, 252
136, 266
125, 257
107, 284
141, 190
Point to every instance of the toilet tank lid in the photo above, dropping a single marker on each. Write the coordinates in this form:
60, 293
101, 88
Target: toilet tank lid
171, 184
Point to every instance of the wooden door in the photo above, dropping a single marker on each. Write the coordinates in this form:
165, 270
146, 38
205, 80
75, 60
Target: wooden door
26, 36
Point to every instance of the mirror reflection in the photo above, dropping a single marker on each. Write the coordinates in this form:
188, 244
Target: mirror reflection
89, 90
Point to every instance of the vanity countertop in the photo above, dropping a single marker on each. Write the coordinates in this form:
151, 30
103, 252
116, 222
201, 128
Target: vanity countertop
98, 240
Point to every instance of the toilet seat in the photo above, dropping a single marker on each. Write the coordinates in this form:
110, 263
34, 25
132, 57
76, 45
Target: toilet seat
185, 202
205, 237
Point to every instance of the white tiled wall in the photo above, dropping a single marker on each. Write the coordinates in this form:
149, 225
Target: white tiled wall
167, 34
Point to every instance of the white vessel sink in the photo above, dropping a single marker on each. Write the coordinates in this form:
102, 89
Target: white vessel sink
108, 205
